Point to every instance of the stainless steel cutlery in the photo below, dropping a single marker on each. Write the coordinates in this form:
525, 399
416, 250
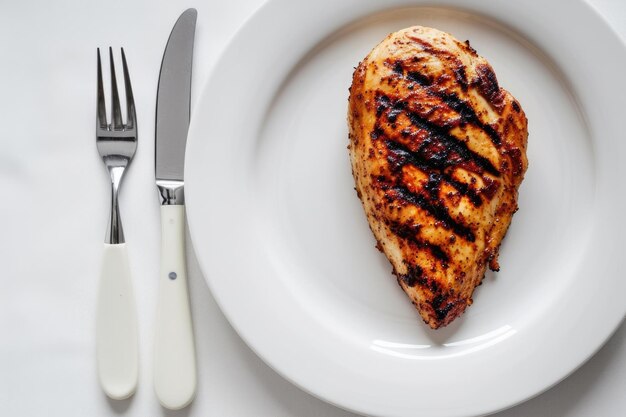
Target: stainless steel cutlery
116, 316
116, 339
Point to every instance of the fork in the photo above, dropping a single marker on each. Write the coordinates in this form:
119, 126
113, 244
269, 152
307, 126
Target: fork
116, 315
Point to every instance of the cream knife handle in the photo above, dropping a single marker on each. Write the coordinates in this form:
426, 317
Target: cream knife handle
174, 355
116, 325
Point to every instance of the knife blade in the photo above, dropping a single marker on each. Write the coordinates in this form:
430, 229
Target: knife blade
174, 100
174, 354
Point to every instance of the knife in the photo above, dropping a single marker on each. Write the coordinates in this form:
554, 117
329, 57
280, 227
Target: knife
174, 354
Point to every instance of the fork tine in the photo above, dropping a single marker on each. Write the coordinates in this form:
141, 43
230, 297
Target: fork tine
115, 98
130, 100
102, 114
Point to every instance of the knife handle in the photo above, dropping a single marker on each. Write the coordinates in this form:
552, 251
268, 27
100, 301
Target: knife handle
175, 359
116, 325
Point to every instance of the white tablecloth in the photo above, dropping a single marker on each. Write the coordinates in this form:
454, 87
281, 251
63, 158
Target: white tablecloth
55, 209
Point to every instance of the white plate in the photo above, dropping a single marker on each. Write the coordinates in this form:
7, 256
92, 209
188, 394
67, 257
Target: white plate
284, 243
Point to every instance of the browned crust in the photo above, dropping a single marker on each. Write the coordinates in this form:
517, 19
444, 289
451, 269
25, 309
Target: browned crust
438, 151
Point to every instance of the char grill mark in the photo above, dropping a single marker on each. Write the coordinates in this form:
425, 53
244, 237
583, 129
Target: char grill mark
455, 145
469, 116
416, 76
400, 156
465, 111
427, 47
434, 208
414, 276
442, 306
410, 231
456, 150
442, 303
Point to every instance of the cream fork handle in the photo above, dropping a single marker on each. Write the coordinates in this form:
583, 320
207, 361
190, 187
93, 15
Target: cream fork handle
116, 325
175, 358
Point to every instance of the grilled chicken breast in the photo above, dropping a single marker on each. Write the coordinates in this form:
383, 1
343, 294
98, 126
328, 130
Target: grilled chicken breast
438, 151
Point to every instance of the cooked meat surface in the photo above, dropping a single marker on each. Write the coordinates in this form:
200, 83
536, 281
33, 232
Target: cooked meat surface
438, 152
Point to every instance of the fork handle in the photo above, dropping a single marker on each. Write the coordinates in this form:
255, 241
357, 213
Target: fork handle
175, 361
116, 325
